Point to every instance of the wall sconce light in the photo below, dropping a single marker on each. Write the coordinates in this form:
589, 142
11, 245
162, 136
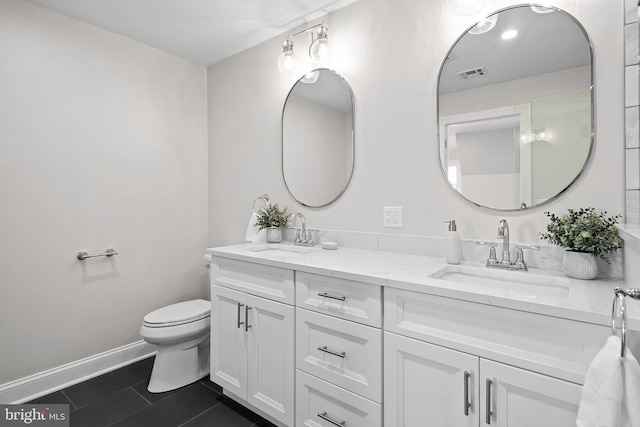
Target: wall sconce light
538, 133
318, 49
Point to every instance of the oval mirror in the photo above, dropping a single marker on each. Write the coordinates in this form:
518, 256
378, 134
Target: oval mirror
515, 108
318, 138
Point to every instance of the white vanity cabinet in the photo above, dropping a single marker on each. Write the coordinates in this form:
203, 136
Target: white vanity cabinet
338, 352
307, 345
252, 335
431, 385
456, 363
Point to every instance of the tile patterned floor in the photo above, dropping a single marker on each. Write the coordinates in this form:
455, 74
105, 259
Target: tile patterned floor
120, 398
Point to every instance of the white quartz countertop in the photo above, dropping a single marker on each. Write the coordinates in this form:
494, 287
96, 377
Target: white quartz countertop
582, 300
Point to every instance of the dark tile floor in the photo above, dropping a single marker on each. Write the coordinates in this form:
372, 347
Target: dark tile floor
120, 398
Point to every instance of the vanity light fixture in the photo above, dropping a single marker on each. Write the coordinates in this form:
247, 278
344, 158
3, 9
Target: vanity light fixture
318, 49
538, 133
509, 34
485, 25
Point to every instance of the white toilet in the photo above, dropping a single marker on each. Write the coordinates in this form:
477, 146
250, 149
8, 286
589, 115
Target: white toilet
181, 333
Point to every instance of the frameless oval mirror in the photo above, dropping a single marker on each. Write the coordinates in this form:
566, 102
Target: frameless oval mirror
515, 107
318, 138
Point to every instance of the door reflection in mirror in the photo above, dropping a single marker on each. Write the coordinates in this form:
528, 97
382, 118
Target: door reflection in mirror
537, 88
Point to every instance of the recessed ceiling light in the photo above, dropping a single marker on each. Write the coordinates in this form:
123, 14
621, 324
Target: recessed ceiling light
509, 34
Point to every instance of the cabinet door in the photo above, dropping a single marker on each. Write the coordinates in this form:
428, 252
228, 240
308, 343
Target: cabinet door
520, 398
228, 340
270, 353
426, 385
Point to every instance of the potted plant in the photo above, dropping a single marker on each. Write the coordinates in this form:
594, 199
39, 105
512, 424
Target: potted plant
274, 220
586, 234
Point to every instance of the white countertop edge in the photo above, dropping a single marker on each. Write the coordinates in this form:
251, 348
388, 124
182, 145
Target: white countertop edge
589, 301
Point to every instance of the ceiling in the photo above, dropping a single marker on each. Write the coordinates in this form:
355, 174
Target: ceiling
203, 31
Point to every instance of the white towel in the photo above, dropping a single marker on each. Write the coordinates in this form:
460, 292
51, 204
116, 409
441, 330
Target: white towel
611, 389
253, 234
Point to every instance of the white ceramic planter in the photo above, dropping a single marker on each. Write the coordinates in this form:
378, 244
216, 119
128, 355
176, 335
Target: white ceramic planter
274, 235
580, 265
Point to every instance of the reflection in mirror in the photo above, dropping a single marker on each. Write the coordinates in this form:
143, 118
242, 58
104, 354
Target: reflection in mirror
318, 138
515, 108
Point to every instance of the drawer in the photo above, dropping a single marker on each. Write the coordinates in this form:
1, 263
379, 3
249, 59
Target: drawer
317, 402
341, 352
347, 299
557, 347
265, 281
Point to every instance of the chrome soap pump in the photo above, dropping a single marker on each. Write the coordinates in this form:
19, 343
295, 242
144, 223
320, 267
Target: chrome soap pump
452, 244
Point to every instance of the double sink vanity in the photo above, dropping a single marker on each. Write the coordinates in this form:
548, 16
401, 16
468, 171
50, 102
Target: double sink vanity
374, 335
364, 337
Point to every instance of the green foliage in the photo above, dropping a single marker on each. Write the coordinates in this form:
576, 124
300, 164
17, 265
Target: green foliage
272, 216
584, 230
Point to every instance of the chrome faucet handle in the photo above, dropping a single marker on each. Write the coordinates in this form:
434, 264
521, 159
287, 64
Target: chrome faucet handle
523, 246
493, 259
312, 234
519, 263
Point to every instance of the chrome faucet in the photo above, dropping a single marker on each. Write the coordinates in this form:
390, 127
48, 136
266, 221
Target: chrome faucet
303, 237
505, 262
503, 233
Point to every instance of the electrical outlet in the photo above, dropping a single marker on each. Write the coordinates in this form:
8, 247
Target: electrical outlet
392, 217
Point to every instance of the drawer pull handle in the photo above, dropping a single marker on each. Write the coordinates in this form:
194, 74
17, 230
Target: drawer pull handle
323, 415
246, 318
488, 408
240, 305
326, 295
467, 404
333, 352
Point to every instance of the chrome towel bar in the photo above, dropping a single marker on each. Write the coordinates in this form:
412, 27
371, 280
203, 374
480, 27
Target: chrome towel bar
619, 303
82, 255
265, 203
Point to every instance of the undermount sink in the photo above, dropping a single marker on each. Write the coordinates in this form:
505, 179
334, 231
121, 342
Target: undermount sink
513, 282
279, 247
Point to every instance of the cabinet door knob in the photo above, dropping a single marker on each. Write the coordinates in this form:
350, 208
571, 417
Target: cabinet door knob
488, 408
467, 404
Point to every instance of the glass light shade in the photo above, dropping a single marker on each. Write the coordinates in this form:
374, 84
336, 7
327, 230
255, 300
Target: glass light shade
287, 61
542, 9
310, 77
485, 25
319, 49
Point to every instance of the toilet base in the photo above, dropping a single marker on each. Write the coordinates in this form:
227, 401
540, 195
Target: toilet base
176, 366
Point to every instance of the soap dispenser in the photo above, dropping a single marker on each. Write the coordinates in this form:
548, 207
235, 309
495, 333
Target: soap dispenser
452, 244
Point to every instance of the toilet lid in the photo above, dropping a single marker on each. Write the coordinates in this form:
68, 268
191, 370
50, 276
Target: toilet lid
182, 312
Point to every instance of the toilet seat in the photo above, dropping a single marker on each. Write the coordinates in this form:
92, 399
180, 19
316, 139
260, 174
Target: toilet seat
178, 314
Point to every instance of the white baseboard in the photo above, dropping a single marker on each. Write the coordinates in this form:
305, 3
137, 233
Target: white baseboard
43, 383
